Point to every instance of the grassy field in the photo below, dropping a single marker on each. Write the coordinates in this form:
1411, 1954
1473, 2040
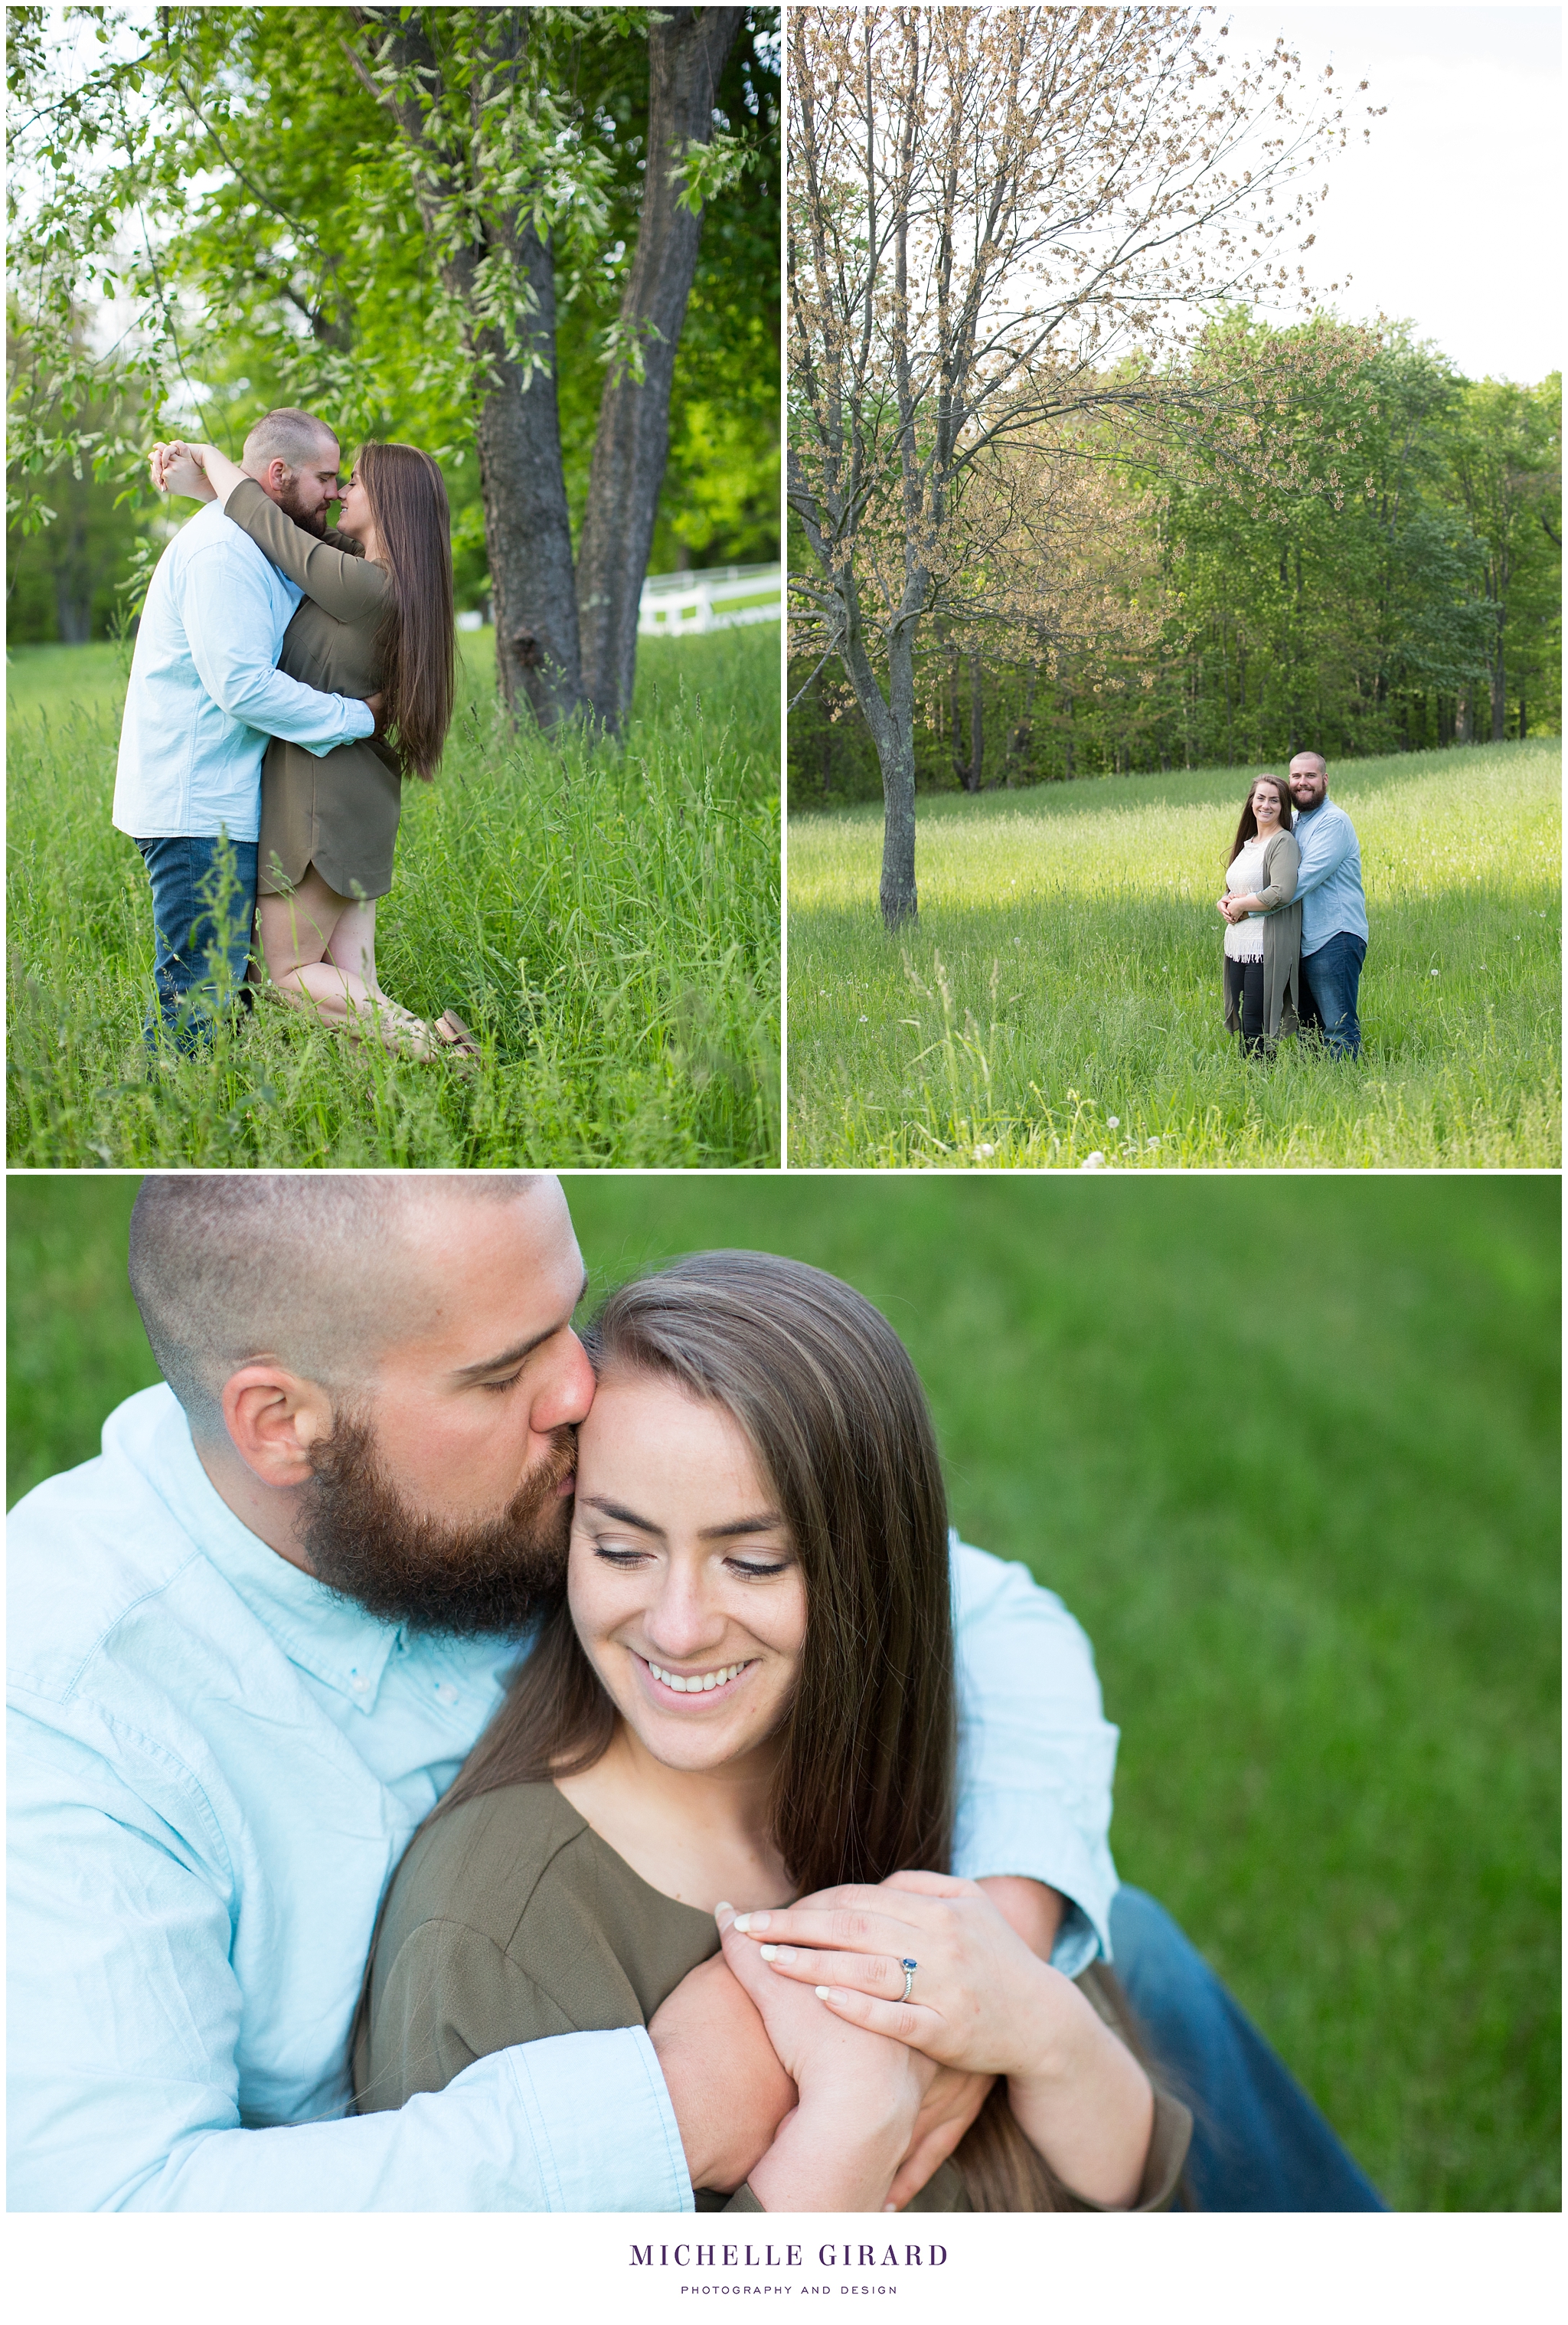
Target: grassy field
1317, 1549
607, 923
1060, 998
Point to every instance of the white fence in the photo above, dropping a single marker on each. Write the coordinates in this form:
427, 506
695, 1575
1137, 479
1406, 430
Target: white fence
688, 605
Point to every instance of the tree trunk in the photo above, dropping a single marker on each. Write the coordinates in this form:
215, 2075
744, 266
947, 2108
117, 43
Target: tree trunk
528, 535
973, 773
528, 532
900, 900
1461, 715
956, 699
73, 583
1023, 733
1499, 692
687, 50
891, 719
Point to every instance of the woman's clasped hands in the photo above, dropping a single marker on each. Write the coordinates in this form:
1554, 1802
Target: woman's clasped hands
926, 1961
861, 2097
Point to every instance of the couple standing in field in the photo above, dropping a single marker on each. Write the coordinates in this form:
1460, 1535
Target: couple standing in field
285, 680
431, 1690
1295, 914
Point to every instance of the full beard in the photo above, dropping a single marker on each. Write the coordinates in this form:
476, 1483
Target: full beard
366, 1543
291, 502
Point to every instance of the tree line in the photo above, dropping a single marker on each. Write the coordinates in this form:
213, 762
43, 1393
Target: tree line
1391, 582
542, 242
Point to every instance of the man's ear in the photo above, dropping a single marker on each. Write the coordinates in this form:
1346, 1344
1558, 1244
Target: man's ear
273, 1418
274, 480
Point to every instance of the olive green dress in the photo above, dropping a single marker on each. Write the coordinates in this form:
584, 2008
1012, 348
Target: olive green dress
511, 1920
339, 812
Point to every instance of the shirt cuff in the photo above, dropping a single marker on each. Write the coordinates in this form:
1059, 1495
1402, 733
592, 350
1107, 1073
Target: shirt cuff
358, 725
1019, 1833
599, 2110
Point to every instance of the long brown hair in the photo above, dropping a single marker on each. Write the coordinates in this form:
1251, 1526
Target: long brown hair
824, 1391
415, 648
1248, 828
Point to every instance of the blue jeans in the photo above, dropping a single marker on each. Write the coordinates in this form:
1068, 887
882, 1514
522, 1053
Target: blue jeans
1258, 2144
203, 900
1331, 981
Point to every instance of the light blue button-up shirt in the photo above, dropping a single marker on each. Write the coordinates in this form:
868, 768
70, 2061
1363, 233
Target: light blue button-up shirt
1328, 888
204, 694
215, 1766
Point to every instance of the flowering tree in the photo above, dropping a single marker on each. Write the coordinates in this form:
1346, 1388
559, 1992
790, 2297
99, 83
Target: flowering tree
999, 217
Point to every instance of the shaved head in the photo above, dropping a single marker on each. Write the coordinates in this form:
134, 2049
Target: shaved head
323, 1272
297, 439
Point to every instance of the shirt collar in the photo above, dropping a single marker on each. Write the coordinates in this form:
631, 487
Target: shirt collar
324, 1633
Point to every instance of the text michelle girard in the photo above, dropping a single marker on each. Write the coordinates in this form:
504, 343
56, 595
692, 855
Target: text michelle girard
748, 2256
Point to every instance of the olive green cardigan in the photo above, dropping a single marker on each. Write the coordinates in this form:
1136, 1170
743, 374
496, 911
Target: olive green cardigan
1281, 942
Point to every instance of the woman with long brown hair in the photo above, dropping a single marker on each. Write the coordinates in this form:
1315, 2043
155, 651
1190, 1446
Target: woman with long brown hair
745, 1692
375, 622
1262, 925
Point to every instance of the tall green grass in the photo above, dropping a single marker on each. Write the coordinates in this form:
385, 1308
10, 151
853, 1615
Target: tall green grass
606, 921
1058, 1001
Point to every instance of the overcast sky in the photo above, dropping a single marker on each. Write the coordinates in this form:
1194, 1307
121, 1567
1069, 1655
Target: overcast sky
1452, 215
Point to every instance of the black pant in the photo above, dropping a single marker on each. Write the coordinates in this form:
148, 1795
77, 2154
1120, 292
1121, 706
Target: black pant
1244, 989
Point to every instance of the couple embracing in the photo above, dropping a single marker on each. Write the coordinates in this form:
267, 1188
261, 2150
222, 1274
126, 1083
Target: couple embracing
286, 679
477, 1767
1296, 918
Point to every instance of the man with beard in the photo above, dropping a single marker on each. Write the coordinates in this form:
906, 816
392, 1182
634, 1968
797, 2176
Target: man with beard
251, 1643
203, 695
1333, 909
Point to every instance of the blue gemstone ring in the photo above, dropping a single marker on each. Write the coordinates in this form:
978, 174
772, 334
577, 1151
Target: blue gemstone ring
910, 1968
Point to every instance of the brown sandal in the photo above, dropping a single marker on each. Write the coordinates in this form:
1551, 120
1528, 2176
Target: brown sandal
450, 1029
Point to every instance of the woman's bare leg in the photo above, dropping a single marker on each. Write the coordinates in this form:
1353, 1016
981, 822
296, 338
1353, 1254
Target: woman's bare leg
309, 939
352, 945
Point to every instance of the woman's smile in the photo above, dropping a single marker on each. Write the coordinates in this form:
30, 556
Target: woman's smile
720, 1681
683, 1581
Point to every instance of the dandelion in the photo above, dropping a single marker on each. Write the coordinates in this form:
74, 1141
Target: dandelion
1095, 1162
1113, 1122
983, 1154
1154, 1142
865, 1021
1435, 972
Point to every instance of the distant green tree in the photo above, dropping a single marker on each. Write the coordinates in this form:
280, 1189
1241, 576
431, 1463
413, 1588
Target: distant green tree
1503, 456
65, 573
1344, 598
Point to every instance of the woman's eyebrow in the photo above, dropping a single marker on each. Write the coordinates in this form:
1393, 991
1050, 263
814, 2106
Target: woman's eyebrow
623, 1516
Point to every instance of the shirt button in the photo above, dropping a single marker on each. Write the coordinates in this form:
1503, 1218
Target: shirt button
360, 1686
445, 1694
